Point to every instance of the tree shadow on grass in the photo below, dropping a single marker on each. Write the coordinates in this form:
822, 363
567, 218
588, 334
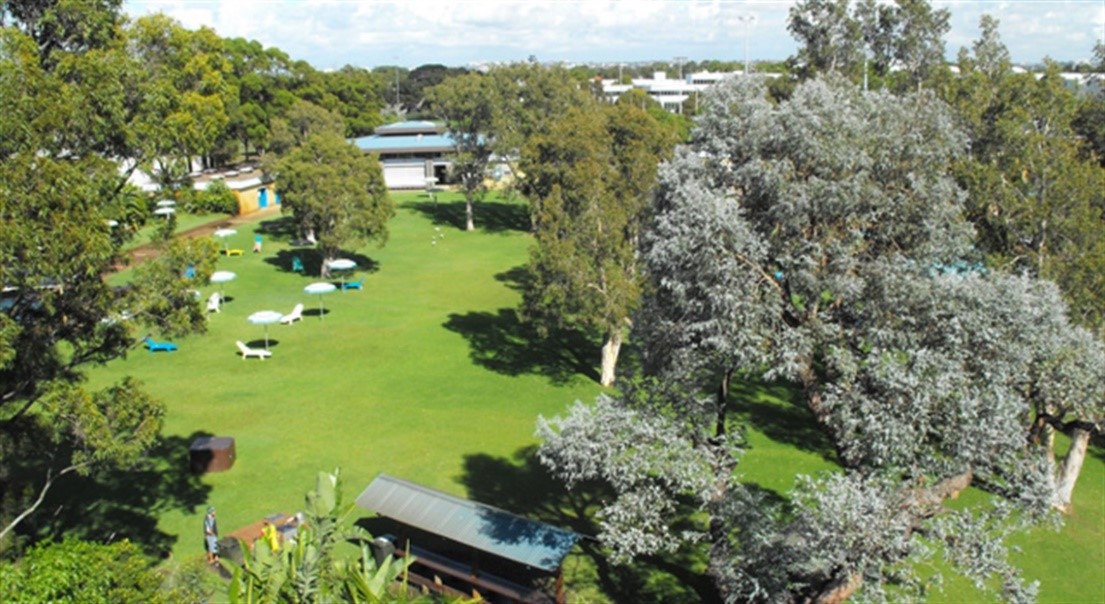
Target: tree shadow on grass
517, 278
283, 228
120, 504
490, 216
311, 258
522, 486
502, 343
774, 410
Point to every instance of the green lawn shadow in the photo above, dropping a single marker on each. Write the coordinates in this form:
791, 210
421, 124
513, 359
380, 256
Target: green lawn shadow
490, 216
312, 261
120, 509
776, 410
503, 343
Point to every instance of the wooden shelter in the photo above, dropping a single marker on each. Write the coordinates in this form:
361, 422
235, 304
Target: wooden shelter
475, 537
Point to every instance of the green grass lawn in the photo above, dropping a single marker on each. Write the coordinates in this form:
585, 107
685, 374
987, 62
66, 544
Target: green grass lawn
425, 374
185, 221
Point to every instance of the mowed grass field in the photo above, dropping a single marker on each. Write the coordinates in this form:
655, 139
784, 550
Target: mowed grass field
426, 375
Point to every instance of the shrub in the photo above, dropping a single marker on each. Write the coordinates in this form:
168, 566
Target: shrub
217, 198
80, 571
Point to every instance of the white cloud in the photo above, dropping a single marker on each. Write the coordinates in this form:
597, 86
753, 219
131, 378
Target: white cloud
331, 33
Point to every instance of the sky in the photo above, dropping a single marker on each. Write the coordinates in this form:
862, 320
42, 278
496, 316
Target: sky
368, 33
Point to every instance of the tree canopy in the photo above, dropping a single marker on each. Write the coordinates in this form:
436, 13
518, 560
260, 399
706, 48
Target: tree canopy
335, 192
588, 179
74, 103
839, 37
839, 262
1037, 193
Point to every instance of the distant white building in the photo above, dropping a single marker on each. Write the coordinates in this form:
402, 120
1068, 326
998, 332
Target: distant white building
670, 93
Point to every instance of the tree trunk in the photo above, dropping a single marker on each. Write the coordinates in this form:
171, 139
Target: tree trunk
840, 589
50, 479
1067, 472
470, 225
722, 402
1043, 435
610, 356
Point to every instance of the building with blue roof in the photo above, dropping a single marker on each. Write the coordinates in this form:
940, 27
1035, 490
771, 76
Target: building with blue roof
412, 154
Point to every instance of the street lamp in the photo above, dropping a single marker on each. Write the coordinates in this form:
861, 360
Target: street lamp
397, 105
746, 20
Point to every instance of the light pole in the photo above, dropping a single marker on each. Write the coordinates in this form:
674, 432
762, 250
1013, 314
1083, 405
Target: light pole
397, 105
746, 20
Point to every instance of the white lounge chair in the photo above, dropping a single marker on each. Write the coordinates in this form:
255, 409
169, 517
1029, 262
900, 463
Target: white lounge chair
247, 352
292, 317
213, 302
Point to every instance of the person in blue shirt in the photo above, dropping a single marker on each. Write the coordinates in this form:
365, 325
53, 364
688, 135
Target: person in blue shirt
211, 536
257, 244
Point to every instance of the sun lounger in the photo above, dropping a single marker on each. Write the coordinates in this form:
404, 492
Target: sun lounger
247, 352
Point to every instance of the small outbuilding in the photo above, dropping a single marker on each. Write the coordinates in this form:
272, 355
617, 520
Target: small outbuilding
478, 548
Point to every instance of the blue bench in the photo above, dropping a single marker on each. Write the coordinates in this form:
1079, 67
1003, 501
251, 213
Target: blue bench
156, 346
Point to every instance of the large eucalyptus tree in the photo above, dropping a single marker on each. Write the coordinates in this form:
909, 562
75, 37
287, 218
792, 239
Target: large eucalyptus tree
588, 178
821, 242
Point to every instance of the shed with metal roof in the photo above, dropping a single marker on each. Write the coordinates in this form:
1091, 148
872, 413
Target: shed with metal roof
477, 525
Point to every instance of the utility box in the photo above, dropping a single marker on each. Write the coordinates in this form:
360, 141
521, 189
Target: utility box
212, 454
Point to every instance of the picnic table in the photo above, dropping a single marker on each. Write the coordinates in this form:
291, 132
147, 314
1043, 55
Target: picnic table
287, 525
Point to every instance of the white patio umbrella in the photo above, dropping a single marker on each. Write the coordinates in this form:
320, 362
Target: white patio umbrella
166, 212
166, 203
341, 265
320, 289
266, 318
223, 234
221, 277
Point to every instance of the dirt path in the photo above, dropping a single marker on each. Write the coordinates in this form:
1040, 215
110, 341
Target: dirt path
148, 251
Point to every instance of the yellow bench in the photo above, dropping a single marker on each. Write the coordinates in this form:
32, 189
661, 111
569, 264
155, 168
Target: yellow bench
234, 252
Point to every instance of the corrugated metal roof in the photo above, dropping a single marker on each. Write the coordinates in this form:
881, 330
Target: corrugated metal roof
481, 526
411, 126
406, 143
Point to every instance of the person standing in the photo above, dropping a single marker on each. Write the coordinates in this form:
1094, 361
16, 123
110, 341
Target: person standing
211, 536
256, 244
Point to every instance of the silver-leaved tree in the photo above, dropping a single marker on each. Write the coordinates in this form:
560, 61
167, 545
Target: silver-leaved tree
821, 242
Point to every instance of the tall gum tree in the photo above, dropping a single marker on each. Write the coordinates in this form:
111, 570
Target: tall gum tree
469, 105
830, 229
588, 180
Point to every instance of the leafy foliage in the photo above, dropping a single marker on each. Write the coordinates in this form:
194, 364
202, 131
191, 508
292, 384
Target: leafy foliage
836, 37
468, 104
306, 569
69, 114
821, 241
1037, 196
78, 571
217, 198
588, 179
335, 191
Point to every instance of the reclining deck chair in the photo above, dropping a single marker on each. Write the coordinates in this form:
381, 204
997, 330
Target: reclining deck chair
292, 317
247, 352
